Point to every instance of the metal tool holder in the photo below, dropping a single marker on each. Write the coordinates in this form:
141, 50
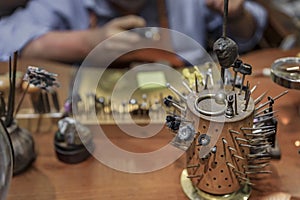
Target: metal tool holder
224, 163
228, 136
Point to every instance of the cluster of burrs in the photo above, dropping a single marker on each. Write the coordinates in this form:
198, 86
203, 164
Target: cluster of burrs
178, 122
262, 136
41, 78
244, 69
259, 140
39, 83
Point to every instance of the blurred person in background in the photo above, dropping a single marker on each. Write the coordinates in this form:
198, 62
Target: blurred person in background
67, 30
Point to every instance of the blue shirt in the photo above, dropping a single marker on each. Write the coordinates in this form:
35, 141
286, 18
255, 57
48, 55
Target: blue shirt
190, 17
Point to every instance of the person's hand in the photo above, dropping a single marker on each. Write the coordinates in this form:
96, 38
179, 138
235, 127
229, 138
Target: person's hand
235, 7
116, 32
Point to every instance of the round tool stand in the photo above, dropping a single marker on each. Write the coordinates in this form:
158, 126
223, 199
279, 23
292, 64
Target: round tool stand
217, 159
71, 154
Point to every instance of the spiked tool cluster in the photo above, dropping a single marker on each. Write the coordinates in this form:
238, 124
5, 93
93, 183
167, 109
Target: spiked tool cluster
228, 137
46, 82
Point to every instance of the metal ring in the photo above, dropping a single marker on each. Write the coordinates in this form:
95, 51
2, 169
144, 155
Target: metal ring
211, 113
285, 79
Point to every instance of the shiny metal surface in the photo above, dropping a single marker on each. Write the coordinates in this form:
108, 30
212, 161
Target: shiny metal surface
286, 72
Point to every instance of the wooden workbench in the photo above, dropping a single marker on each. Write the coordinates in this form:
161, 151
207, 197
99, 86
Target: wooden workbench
49, 179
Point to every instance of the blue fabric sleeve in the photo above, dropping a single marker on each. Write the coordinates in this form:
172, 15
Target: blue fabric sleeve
38, 18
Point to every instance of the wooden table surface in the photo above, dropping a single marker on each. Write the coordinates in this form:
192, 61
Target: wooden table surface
49, 179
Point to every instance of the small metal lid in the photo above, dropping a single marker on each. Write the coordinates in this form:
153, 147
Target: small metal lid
286, 72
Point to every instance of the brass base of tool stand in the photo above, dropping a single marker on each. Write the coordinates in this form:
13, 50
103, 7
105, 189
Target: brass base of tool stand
195, 194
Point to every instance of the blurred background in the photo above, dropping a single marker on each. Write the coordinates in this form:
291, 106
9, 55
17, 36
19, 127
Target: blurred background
283, 29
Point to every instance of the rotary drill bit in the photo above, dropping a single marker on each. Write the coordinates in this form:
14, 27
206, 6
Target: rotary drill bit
225, 48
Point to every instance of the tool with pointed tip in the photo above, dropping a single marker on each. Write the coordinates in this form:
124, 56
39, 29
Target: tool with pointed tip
247, 90
193, 166
260, 98
273, 99
169, 101
196, 84
168, 85
55, 101
195, 176
235, 104
236, 68
187, 87
206, 81
265, 114
245, 69
225, 48
247, 100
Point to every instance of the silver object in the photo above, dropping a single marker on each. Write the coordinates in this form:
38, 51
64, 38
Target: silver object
206, 112
286, 72
184, 136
